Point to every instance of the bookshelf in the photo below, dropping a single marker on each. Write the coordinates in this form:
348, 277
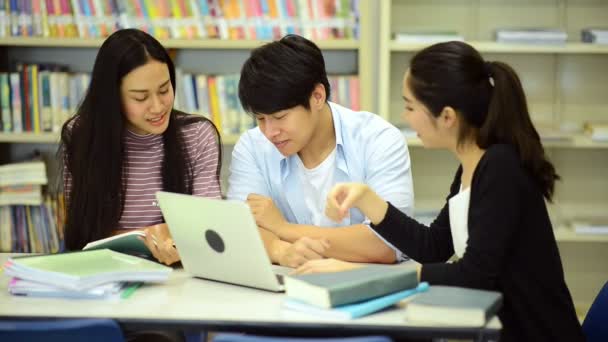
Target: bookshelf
565, 85
201, 56
236, 51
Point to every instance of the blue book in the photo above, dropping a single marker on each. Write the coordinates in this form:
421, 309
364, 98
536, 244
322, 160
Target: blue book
355, 310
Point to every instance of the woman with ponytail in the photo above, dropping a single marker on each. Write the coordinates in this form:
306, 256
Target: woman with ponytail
495, 220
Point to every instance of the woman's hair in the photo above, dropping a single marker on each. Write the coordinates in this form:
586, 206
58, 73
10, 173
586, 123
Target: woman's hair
489, 98
92, 141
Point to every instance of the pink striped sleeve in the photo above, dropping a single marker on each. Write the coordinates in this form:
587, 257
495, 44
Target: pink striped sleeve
203, 144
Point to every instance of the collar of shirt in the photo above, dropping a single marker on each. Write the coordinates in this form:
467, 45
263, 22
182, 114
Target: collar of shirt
289, 175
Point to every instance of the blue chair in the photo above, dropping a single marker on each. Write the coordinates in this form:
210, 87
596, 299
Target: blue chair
61, 330
595, 325
229, 337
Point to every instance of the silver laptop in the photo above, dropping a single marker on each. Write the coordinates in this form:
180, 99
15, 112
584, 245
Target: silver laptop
218, 240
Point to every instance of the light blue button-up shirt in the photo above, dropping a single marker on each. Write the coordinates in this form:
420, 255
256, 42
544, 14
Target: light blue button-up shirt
368, 150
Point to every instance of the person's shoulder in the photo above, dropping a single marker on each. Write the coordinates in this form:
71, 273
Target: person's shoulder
502, 155
195, 126
365, 126
502, 159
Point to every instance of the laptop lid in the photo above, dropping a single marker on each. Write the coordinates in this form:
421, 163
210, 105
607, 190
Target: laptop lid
218, 240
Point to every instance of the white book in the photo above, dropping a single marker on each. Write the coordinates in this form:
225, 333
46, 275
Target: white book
20, 287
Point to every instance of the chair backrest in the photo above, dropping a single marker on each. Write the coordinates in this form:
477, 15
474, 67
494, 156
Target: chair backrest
64, 330
228, 337
595, 325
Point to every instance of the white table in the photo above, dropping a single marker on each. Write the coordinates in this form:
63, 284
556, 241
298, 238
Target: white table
197, 304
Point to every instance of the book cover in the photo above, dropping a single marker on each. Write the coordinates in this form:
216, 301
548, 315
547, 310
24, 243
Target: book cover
128, 243
355, 310
333, 289
453, 306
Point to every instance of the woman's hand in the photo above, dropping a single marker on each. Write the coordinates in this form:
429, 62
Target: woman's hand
325, 265
159, 242
345, 196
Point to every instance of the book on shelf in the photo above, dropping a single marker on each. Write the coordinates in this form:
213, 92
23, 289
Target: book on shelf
453, 306
595, 35
85, 269
429, 37
531, 35
329, 290
592, 227
127, 243
354, 310
597, 131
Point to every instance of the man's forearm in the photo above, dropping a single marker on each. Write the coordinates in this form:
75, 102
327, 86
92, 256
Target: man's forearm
356, 243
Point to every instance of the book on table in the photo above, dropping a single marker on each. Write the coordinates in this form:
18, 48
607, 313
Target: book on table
453, 306
28, 288
85, 269
127, 243
354, 310
329, 290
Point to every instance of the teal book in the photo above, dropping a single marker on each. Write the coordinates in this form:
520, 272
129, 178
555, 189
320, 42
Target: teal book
453, 306
355, 310
127, 243
329, 290
85, 269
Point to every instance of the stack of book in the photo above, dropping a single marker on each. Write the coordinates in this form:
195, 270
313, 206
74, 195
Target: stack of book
531, 36
595, 36
88, 274
350, 294
21, 183
29, 221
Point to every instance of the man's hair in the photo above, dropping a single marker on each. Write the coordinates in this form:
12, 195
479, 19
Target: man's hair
282, 75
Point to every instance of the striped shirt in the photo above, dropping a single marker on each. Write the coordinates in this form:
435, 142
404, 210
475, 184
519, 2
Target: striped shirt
143, 166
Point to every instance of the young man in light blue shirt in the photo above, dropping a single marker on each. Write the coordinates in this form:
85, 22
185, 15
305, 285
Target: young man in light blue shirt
303, 145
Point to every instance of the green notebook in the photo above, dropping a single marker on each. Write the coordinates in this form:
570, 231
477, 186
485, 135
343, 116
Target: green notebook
128, 243
453, 306
333, 289
86, 269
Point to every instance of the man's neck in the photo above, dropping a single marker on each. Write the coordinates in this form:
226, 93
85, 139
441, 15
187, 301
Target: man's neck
323, 140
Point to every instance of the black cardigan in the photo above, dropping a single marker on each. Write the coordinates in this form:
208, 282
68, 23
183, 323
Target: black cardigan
511, 249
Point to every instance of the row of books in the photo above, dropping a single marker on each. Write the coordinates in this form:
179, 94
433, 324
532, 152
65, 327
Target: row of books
32, 228
41, 97
523, 36
217, 98
181, 19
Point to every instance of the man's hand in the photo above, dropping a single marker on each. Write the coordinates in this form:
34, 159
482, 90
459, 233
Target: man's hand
301, 251
266, 214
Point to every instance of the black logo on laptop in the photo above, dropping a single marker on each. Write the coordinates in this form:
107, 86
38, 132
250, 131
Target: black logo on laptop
214, 240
